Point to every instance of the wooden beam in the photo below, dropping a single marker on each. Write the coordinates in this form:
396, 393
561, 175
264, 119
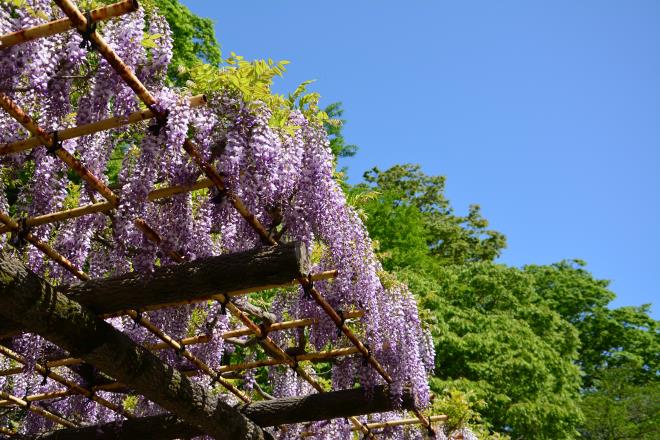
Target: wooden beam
193, 281
264, 413
41, 309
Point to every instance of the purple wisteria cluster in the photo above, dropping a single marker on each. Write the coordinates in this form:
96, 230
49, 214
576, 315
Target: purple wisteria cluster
285, 177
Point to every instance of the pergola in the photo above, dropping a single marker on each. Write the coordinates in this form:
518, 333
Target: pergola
73, 317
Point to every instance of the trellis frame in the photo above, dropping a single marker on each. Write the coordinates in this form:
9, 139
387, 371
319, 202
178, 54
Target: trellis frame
77, 20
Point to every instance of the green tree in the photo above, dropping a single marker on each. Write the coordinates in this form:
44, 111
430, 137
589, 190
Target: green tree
449, 238
338, 143
610, 338
617, 408
495, 338
513, 337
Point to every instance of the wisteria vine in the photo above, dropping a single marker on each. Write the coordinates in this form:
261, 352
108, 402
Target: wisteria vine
285, 177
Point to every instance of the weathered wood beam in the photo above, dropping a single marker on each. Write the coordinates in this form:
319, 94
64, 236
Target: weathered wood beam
193, 280
264, 413
188, 282
41, 309
325, 406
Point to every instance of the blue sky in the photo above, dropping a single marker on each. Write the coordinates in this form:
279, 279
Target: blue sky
545, 113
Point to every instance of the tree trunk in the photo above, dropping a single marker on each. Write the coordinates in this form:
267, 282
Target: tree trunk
192, 281
39, 308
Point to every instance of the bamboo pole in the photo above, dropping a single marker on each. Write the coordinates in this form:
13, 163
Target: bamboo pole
41, 396
407, 421
26, 121
389, 423
44, 247
153, 236
64, 24
193, 340
312, 357
295, 323
74, 387
38, 410
91, 128
104, 207
67, 214
164, 193
7, 431
11, 371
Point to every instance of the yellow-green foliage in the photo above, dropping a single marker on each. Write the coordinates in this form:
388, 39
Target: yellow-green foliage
252, 82
24, 5
130, 403
462, 410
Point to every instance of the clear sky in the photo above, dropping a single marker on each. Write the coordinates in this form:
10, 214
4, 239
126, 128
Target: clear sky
545, 113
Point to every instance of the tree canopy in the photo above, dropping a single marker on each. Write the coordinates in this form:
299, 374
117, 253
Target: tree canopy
535, 345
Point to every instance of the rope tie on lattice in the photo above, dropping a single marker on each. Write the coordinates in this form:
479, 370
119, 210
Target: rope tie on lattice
18, 237
219, 196
216, 378
56, 145
87, 42
263, 331
342, 320
137, 320
365, 359
160, 121
28, 403
46, 373
179, 351
223, 304
210, 325
295, 364
307, 287
430, 431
